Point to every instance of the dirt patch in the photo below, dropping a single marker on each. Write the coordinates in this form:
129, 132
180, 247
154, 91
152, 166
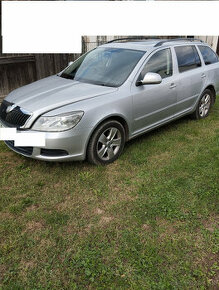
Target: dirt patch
159, 159
5, 215
33, 226
99, 211
10, 159
115, 177
83, 233
121, 196
45, 243
2, 271
7, 154
73, 202
105, 220
168, 228
146, 227
32, 208
71, 228
26, 265
65, 205
212, 223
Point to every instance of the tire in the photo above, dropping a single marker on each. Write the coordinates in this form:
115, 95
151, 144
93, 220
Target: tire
107, 143
204, 105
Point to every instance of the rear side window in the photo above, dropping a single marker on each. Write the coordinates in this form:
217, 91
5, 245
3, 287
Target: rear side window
208, 54
160, 63
187, 57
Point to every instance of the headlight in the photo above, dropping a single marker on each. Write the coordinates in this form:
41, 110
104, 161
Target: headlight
58, 123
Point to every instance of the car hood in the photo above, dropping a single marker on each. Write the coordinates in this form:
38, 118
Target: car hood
53, 92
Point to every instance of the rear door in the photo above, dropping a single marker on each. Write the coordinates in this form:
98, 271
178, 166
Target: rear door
191, 77
211, 61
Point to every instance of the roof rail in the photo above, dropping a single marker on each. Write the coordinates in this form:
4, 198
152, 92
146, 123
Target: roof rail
176, 39
131, 38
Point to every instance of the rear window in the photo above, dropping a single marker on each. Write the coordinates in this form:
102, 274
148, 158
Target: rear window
208, 54
187, 57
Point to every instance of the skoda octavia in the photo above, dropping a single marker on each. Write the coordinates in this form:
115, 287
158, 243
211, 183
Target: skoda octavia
112, 94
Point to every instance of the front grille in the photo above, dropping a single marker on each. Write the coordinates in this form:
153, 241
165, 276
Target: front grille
23, 150
15, 118
53, 152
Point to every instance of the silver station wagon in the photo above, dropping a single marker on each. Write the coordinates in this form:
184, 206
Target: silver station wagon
112, 94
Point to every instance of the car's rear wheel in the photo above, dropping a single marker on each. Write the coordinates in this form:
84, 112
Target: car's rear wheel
204, 105
106, 143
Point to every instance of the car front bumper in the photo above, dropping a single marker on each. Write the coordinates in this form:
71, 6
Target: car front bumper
60, 146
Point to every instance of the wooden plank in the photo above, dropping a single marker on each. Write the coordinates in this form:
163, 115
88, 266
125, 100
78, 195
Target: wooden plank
15, 75
16, 59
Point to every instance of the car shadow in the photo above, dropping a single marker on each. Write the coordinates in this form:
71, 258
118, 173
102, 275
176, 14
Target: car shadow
159, 131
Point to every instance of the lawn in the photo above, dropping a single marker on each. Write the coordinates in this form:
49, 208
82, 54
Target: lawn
148, 221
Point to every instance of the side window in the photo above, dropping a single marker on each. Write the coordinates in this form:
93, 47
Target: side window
208, 54
187, 57
160, 63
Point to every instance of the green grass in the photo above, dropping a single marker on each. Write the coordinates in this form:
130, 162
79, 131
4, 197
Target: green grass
147, 221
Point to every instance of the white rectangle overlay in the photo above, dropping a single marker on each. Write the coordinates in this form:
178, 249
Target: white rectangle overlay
57, 26
8, 133
23, 139
30, 139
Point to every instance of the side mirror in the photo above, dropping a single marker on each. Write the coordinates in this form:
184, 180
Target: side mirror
150, 79
70, 63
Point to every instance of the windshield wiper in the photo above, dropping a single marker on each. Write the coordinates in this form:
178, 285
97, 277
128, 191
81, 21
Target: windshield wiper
66, 76
104, 85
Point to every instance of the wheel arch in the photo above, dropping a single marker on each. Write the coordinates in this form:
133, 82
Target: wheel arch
116, 117
212, 89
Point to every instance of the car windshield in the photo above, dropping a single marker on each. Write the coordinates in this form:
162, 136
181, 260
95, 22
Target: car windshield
104, 66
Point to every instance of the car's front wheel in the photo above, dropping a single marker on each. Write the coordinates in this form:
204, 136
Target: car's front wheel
106, 143
204, 105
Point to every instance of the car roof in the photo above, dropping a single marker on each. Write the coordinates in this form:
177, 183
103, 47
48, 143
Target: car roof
150, 44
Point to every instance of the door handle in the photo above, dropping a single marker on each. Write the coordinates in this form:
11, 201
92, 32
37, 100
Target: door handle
172, 86
203, 76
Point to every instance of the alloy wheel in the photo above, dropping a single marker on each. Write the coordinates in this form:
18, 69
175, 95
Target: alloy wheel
204, 105
109, 143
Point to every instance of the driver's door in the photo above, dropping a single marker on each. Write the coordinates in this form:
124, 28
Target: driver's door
156, 103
